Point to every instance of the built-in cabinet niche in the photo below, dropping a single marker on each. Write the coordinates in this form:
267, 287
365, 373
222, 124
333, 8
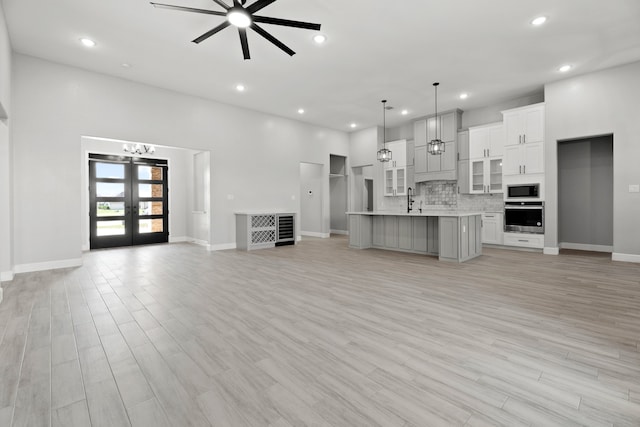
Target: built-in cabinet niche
338, 194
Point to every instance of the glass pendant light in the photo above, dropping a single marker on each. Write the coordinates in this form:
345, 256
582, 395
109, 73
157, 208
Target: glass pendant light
384, 154
436, 146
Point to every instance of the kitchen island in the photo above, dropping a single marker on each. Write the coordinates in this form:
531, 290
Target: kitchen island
450, 235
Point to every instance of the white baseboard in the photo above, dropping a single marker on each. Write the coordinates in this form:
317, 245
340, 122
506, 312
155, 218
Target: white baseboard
343, 232
586, 247
179, 239
221, 246
49, 265
298, 238
199, 242
6, 276
551, 251
315, 234
625, 257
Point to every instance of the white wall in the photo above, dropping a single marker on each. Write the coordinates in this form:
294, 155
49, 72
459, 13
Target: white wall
312, 178
6, 219
255, 157
180, 177
600, 103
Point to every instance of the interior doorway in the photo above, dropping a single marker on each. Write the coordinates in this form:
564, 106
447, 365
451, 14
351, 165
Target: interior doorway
368, 196
585, 194
128, 201
363, 193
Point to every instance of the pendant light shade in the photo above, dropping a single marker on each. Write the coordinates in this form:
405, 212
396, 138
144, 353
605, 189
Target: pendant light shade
384, 154
436, 146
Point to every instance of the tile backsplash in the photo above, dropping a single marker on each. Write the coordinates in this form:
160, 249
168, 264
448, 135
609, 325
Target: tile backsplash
444, 195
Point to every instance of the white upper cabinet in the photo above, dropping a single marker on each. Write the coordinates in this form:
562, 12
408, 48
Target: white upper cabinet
395, 171
398, 154
486, 141
524, 144
486, 147
524, 125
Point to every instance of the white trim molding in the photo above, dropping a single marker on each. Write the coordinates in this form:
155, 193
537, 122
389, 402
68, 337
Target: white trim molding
343, 232
180, 239
625, 257
315, 234
551, 251
6, 276
199, 242
221, 247
49, 265
1, 292
586, 247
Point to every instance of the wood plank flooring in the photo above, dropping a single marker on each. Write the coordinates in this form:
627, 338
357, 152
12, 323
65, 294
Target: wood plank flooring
322, 335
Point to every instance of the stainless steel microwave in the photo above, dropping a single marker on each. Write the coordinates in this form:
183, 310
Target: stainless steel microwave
523, 191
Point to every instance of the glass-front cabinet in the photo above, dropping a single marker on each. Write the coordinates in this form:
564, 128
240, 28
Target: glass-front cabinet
395, 182
486, 176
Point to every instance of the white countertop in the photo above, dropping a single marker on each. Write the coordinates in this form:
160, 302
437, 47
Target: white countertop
265, 212
433, 212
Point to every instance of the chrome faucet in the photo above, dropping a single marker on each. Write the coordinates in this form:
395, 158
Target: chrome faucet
409, 199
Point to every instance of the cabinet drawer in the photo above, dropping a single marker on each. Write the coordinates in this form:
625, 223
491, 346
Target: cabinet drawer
524, 240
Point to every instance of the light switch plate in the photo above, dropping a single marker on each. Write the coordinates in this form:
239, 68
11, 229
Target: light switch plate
634, 188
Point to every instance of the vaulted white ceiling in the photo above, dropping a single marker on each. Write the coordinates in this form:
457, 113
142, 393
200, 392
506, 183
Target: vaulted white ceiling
375, 49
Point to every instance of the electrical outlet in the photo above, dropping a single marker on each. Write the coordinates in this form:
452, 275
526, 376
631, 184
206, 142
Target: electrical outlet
634, 188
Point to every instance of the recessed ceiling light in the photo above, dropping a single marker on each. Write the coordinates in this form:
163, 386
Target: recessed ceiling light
87, 42
300, 110
539, 21
564, 68
404, 112
240, 88
126, 65
319, 38
464, 96
353, 125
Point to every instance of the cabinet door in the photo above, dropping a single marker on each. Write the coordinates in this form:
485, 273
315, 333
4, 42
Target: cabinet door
401, 181
433, 235
495, 141
477, 176
494, 176
419, 234
512, 128
378, 230
448, 127
463, 177
512, 162
405, 232
533, 158
420, 132
489, 229
389, 186
390, 231
431, 128
478, 139
448, 158
533, 125
421, 159
398, 152
433, 162
463, 145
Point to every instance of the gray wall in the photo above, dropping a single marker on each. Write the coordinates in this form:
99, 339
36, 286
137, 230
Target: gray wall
311, 178
6, 153
600, 103
585, 192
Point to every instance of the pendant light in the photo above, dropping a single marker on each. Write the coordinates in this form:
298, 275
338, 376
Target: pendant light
384, 154
436, 146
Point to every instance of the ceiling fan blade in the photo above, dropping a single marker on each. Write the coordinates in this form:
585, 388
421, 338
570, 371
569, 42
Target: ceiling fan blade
272, 39
244, 43
286, 22
211, 32
260, 4
187, 9
222, 4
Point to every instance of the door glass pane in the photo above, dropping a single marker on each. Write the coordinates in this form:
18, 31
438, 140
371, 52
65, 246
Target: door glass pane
149, 190
149, 172
110, 208
110, 189
495, 177
388, 181
150, 208
477, 175
400, 181
110, 228
150, 225
110, 170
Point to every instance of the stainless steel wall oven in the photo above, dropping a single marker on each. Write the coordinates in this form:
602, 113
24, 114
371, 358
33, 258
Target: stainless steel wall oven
524, 217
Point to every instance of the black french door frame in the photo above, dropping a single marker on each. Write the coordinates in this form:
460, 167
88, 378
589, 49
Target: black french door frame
135, 207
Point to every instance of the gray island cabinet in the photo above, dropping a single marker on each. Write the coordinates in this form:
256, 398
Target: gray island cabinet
451, 235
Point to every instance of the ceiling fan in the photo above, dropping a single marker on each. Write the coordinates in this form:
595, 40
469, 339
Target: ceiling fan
243, 17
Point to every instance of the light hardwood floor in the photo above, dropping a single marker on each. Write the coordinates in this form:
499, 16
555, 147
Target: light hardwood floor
321, 335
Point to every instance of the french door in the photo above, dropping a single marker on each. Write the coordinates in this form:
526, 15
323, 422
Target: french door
128, 201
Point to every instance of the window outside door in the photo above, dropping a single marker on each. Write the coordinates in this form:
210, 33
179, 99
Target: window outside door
128, 199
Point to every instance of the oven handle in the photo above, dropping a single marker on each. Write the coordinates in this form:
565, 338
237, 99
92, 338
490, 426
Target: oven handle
525, 207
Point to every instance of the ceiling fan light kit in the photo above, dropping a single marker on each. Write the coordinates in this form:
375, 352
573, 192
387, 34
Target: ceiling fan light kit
242, 18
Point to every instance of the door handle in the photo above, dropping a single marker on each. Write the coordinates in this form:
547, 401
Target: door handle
524, 139
519, 139
520, 169
524, 169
